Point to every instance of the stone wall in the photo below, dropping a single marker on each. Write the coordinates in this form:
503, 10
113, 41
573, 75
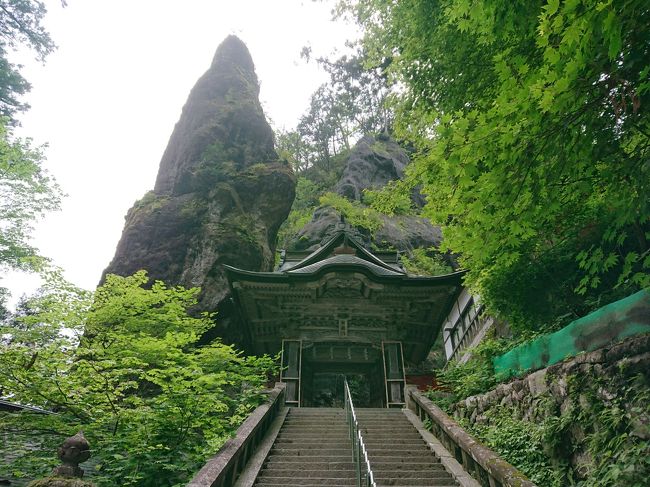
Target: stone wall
572, 402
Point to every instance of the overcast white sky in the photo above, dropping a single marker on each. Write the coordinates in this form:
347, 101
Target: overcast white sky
107, 100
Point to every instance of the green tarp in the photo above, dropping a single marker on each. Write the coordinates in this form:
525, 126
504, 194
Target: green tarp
611, 323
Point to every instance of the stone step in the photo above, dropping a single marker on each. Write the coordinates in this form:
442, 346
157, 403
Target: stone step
378, 412
314, 424
372, 453
317, 430
300, 445
316, 433
317, 419
340, 458
317, 422
398, 416
313, 435
392, 418
324, 452
306, 481
309, 474
290, 481
388, 436
383, 424
399, 449
402, 475
427, 483
414, 442
307, 439
415, 483
296, 437
316, 412
424, 469
306, 412
312, 465
387, 430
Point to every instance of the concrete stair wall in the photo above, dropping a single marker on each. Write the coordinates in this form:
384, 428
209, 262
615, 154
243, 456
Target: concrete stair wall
313, 449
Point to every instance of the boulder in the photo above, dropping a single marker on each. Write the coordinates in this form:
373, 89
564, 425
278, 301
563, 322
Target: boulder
373, 162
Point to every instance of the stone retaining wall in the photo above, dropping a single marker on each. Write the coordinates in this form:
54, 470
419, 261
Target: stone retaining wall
571, 391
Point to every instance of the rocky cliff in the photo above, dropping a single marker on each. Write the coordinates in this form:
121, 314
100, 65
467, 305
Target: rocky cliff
373, 162
220, 195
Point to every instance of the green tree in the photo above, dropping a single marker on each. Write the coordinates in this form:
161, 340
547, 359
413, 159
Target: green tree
20, 25
533, 136
152, 404
26, 189
349, 105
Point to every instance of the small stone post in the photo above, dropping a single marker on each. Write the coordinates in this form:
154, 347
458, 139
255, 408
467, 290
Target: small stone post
72, 452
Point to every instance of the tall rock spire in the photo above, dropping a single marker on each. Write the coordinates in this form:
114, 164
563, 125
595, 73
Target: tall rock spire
221, 194
222, 121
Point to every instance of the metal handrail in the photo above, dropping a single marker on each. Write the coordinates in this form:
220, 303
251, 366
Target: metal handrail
359, 452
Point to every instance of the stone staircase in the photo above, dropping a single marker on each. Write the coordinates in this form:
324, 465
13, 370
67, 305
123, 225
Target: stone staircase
313, 449
398, 454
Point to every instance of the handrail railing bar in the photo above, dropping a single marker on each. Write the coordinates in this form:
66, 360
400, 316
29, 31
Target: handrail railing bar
358, 446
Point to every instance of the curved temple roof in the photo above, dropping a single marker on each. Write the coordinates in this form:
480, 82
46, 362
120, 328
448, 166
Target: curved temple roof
340, 295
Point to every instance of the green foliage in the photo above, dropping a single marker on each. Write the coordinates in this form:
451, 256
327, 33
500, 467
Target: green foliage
354, 212
350, 105
26, 190
621, 455
522, 444
307, 199
150, 202
20, 25
393, 199
152, 404
426, 262
476, 376
26, 193
532, 127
